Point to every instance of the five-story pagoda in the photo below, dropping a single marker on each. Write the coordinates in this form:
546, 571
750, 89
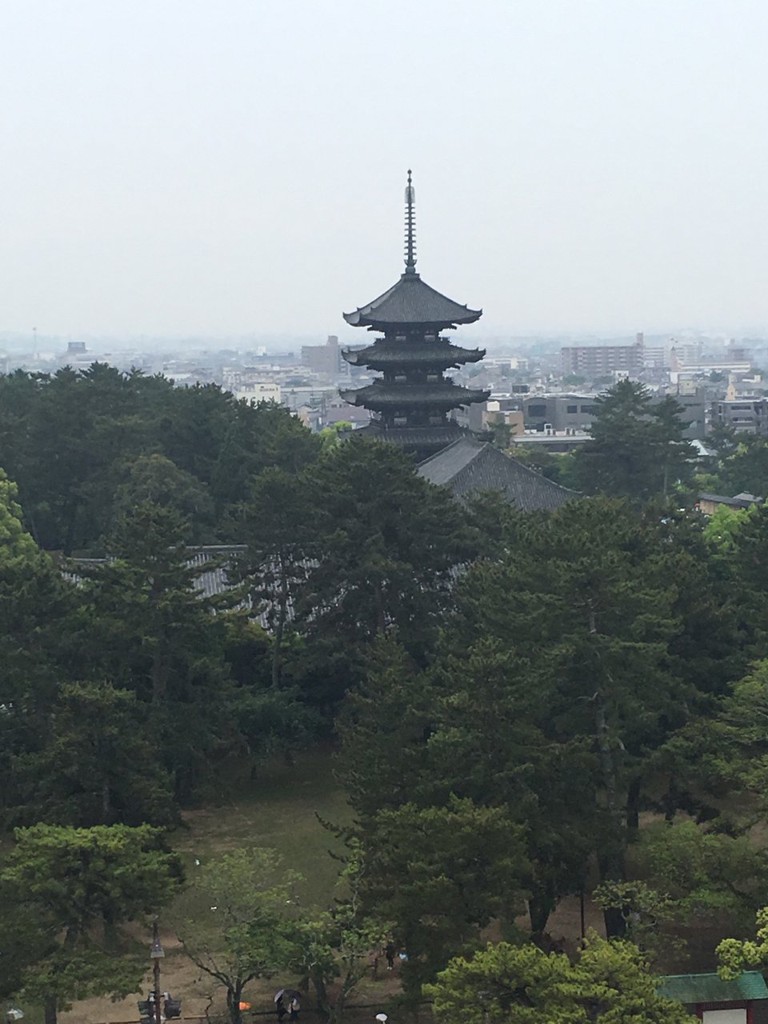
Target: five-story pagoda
411, 399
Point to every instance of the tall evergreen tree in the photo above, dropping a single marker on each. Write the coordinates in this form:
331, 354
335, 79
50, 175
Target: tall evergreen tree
80, 886
146, 628
36, 604
636, 449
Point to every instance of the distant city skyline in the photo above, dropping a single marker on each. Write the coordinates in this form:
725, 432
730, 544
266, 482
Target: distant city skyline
191, 169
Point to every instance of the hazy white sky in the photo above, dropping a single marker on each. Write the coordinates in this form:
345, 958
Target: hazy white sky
234, 166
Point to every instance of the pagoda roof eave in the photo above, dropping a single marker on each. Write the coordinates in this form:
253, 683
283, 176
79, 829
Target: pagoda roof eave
375, 396
379, 356
410, 301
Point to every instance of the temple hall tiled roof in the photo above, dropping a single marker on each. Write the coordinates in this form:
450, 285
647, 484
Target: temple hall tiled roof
469, 466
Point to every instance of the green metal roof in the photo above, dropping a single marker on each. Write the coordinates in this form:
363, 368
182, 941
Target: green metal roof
710, 988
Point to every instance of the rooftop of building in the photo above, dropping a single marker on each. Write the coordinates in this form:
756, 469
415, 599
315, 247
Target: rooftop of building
411, 301
693, 989
472, 466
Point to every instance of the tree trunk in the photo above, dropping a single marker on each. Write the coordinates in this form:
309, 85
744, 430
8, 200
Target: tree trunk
540, 906
381, 618
671, 799
277, 643
106, 803
110, 931
159, 673
234, 995
50, 1010
321, 995
633, 806
610, 864
337, 1011
611, 857
73, 510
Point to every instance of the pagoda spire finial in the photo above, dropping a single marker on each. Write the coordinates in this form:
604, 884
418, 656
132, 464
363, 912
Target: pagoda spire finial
410, 227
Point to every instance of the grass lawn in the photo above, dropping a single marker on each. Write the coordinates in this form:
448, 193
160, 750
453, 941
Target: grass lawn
280, 812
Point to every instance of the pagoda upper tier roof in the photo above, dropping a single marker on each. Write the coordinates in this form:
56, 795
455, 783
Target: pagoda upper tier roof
383, 355
381, 395
412, 301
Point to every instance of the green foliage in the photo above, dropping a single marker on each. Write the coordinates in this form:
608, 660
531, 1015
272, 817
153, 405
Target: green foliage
145, 628
35, 609
99, 765
357, 546
609, 983
441, 874
691, 879
740, 463
157, 480
557, 466
276, 525
722, 528
78, 886
385, 541
231, 920
589, 629
554, 694
81, 442
337, 944
749, 563
707, 874
724, 757
735, 955
645, 911
15, 542
83, 875
331, 436
636, 448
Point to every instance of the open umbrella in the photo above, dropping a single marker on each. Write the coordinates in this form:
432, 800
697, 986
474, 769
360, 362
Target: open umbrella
287, 993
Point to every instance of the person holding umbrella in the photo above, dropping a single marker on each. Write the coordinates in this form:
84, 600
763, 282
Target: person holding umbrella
280, 1005
293, 999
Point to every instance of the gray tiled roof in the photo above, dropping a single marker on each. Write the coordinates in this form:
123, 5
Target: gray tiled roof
411, 301
432, 353
444, 394
738, 501
211, 562
412, 437
470, 466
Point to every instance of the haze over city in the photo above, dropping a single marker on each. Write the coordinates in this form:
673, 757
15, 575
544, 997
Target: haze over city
190, 167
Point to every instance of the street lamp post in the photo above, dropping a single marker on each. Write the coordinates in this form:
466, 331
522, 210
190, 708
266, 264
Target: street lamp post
156, 953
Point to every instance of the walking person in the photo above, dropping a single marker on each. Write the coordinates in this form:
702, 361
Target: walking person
389, 953
293, 1008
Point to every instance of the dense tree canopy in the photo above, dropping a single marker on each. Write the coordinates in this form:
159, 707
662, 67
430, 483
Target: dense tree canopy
509, 691
608, 984
242, 935
636, 448
79, 886
79, 442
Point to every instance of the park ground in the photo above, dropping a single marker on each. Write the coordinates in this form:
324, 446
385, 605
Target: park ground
283, 809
